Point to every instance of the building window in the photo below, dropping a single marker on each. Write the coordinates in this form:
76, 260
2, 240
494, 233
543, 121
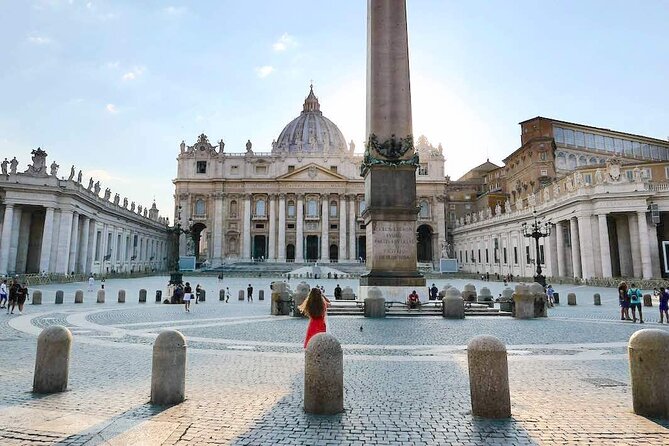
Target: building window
234, 170
361, 207
422, 169
200, 208
424, 209
261, 170
527, 255
98, 239
291, 225
291, 169
201, 167
515, 255
587, 178
544, 172
333, 208
233, 208
479, 256
646, 174
466, 256
333, 226
504, 254
559, 135
629, 174
333, 169
487, 260
451, 206
260, 208
312, 208
260, 226
569, 137
580, 139
666, 172
291, 209
541, 254
542, 156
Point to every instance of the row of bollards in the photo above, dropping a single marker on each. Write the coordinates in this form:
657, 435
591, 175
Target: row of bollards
100, 296
324, 371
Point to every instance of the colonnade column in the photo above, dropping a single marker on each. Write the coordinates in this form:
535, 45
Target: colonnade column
14, 240
559, 237
351, 228
5, 238
325, 228
282, 228
74, 241
272, 228
575, 247
246, 228
342, 228
299, 235
47, 237
585, 238
633, 223
64, 237
646, 265
604, 247
83, 250
441, 227
217, 248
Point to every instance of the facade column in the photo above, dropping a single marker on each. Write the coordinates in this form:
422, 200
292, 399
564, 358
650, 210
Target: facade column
654, 250
623, 246
604, 246
47, 237
23, 242
14, 240
342, 228
299, 235
5, 238
272, 228
585, 238
575, 247
325, 228
644, 245
441, 228
74, 242
633, 223
282, 228
83, 250
92, 244
352, 247
64, 238
246, 228
559, 237
217, 254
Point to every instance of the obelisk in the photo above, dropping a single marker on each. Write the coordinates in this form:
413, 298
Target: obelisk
390, 161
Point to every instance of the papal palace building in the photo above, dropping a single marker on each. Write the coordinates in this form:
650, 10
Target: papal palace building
58, 225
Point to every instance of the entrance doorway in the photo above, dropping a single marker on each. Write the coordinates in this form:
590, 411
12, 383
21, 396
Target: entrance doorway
362, 248
424, 243
290, 252
259, 246
312, 248
196, 234
334, 253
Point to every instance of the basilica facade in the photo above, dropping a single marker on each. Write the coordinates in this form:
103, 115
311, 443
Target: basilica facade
302, 201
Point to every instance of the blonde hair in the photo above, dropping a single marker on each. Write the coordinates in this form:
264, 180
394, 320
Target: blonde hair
314, 304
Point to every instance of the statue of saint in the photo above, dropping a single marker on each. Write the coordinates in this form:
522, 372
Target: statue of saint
79, 177
132, 207
249, 146
90, 184
116, 199
182, 146
71, 173
54, 169
96, 188
107, 194
125, 202
221, 146
4, 164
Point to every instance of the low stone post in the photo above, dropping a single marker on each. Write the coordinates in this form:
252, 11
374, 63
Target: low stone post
347, 293
37, 297
571, 299
142, 296
540, 300
159, 296
485, 297
597, 299
442, 293
280, 299
375, 304
488, 377
556, 298
261, 295
506, 303
647, 300
301, 293
79, 297
524, 302
59, 297
121, 296
452, 305
52, 363
323, 376
648, 351
168, 372
240, 296
469, 293
101, 296
203, 295
221, 294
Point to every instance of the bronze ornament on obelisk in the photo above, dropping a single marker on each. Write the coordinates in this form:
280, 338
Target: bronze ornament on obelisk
390, 161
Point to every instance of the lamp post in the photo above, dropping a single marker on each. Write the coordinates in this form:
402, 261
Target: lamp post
176, 232
537, 230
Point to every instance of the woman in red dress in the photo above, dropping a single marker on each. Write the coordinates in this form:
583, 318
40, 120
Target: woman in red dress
314, 307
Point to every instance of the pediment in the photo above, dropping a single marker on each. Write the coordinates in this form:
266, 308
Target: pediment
312, 172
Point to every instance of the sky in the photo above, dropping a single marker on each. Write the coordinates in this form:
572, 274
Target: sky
113, 87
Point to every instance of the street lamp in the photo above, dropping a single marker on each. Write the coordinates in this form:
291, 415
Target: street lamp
176, 231
538, 230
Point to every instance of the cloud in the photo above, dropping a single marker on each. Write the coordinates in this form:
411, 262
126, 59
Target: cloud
285, 42
264, 71
111, 108
104, 175
112, 65
39, 40
133, 74
175, 11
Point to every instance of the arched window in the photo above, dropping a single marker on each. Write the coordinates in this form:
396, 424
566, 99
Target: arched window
312, 208
582, 161
199, 207
424, 209
333, 208
233, 208
361, 207
260, 207
291, 209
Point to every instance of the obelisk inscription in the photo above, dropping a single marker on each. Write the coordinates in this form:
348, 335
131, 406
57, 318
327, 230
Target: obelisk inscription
390, 162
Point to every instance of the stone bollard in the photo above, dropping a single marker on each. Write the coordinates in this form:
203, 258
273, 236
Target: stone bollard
540, 300
442, 293
469, 293
241, 295
142, 296
79, 297
301, 294
556, 298
159, 296
280, 299
647, 300
323, 376
261, 295
59, 297
485, 297
375, 304
101, 296
37, 297
597, 299
203, 295
221, 294
52, 363
452, 305
506, 303
523, 302
347, 293
121, 296
648, 351
571, 299
488, 377
168, 372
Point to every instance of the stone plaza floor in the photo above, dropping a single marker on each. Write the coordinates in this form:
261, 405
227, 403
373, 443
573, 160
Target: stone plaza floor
405, 379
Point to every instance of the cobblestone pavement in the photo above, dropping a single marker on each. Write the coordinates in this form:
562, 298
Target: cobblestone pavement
406, 379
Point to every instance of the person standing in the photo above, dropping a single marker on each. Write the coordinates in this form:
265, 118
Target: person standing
249, 293
549, 293
227, 294
102, 284
664, 305
315, 308
624, 302
91, 284
3, 293
434, 291
635, 303
188, 295
13, 296
198, 288
337, 292
21, 296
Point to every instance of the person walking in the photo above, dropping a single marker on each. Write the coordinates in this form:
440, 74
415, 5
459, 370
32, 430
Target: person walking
227, 294
635, 302
91, 284
21, 296
249, 293
664, 305
315, 308
188, 295
13, 296
549, 293
3, 293
102, 284
624, 302
198, 288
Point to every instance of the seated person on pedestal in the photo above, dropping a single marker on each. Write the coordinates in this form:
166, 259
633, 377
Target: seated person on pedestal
413, 301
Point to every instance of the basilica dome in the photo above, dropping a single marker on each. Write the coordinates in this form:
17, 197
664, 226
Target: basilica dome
311, 132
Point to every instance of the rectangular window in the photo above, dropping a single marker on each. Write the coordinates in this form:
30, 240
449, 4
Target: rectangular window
201, 167
590, 140
559, 135
362, 227
541, 254
473, 258
291, 225
636, 147
618, 143
580, 139
118, 247
333, 169
666, 172
569, 137
291, 169
451, 206
544, 172
629, 174
487, 260
479, 256
234, 170
645, 151
599, 142
587, 178
610, 145
98, 239
261, 170
515, 255
422, 170
333, 226
655, 152
527, 255
542, 156
627, 144
504, 253
646, 174
260, 226
466, 256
